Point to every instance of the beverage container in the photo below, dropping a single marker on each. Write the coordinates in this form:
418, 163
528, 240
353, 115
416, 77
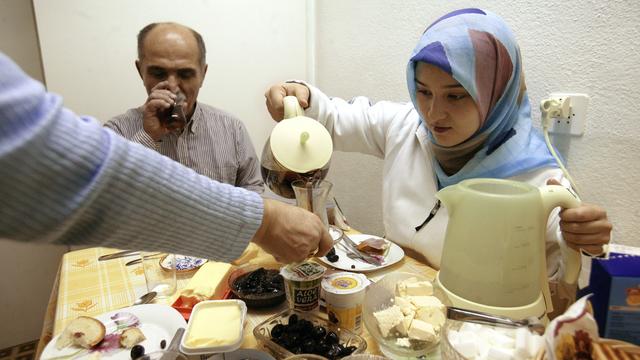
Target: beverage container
160, 273
299, 148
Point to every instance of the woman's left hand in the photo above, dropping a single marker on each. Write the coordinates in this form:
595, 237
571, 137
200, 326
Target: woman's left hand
585, 227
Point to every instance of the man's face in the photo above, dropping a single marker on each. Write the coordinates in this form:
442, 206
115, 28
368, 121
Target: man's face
171, 54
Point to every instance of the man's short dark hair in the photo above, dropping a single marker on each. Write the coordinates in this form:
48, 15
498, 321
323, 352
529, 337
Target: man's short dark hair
142, 35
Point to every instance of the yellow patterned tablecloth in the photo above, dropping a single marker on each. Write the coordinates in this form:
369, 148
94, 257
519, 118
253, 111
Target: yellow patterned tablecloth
86, 286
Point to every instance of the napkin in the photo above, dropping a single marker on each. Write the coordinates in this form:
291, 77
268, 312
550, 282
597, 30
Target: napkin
572, 334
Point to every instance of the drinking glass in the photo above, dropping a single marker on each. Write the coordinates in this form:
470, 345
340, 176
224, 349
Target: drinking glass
160, 273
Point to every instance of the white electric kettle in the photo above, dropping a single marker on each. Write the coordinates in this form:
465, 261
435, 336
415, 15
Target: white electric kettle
493, 259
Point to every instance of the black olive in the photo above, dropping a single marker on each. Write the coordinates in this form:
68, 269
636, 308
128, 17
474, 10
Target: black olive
322, 349
331, 354
163, 343
348, 350
293, 319
284, 341
319, 332
137, 351
277, 331
331, 252
294, 340
353, 266
332, 338
309, 346
306, 326
333, 258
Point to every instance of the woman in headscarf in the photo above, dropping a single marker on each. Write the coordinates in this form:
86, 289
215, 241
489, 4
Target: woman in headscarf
469, 117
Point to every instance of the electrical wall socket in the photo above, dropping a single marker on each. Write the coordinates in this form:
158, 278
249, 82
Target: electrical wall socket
575, 122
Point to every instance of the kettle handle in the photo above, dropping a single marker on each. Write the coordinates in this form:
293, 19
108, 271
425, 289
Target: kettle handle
292, 107
557, 195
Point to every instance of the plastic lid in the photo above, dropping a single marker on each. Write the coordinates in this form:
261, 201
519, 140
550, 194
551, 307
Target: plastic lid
305, 271
344, 283
299, 143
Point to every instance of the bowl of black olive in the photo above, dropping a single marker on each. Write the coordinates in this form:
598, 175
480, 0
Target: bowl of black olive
258, 286
293, 332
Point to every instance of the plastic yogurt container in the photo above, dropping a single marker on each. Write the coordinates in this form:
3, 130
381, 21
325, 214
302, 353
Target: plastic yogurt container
302, 284
344, 295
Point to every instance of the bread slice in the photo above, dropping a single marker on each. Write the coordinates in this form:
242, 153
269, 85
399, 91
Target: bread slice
131, 337
84, 331
374, 246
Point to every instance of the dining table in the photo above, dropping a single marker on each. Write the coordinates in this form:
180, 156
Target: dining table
85, 286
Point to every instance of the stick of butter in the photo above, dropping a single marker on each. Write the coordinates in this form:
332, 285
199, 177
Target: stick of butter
209, 282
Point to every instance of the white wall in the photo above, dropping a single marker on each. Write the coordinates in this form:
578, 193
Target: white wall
575, 46
27, 270
89, 49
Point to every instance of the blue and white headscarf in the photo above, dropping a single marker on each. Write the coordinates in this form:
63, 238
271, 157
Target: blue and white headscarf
479, 51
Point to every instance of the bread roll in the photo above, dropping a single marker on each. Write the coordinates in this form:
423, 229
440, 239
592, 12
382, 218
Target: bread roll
131, 337
84, 331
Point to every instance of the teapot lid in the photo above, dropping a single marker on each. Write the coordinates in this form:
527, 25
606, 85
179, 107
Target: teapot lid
301, 144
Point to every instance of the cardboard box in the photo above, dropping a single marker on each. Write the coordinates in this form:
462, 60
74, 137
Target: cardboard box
615, 284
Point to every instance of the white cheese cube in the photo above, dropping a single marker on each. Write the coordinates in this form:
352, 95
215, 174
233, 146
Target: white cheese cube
405, 324
421, 330
403, 342
401, 288
426, 301
420, 288
432, 315
405, 305
388, 319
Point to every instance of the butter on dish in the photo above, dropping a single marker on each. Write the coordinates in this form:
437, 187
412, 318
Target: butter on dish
215, 326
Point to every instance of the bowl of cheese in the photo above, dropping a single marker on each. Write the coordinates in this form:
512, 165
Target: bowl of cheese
405, 314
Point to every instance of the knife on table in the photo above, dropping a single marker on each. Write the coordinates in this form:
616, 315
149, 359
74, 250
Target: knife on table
119, 254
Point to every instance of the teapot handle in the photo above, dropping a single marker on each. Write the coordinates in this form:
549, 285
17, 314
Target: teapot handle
557, 195
292, 107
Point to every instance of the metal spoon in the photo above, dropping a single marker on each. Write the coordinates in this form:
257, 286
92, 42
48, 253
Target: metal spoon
145, 299
532, 323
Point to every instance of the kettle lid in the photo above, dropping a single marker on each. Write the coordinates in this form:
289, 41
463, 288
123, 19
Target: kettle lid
301, 144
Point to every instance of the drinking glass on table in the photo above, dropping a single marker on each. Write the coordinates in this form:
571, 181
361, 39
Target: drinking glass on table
160, 273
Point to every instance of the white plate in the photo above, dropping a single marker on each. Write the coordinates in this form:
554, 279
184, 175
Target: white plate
157, 323
344, 262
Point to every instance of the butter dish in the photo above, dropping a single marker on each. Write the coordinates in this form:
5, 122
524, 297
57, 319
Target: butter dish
215, 326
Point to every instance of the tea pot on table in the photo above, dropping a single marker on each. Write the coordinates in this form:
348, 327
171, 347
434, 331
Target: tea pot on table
493, 258
299, 148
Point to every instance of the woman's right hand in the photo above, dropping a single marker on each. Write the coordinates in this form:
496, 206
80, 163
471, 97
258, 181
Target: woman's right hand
275, 98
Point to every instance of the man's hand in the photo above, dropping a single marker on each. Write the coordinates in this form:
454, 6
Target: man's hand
291, 233
585, 227
156, 111
275, 98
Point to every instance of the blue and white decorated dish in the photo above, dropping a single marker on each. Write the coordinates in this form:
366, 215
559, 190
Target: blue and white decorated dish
183, 263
